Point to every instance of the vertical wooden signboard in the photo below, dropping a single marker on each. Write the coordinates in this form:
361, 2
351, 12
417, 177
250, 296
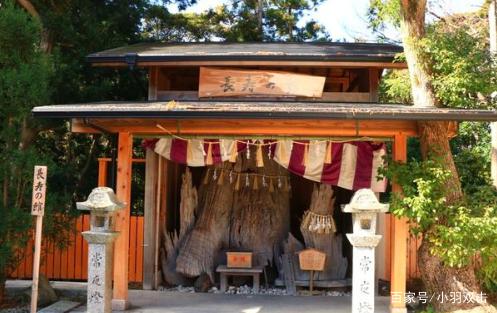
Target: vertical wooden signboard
38, 209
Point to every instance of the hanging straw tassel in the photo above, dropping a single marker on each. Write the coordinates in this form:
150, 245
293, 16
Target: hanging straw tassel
220, 180
305, 158
237, 184
234, 151
206, 177
255, 186
258, 156
328, 157
209, 160
271, 185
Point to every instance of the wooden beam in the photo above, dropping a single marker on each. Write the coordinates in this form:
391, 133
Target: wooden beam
163, 205
102, 172
149, 238
399, 240
344, 64
153, 77
192, 95
255, 127
121, 246
374, 84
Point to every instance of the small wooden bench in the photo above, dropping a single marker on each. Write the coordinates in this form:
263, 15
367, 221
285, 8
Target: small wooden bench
255, 272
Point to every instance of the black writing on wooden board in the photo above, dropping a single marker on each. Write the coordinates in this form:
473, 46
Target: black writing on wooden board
39, 190
215, 82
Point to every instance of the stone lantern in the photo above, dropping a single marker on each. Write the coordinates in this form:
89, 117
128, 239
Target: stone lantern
102, 204
364, 207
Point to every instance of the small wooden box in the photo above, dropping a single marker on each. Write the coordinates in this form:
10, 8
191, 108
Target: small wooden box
239, 259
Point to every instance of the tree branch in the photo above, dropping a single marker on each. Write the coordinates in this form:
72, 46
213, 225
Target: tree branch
28, 6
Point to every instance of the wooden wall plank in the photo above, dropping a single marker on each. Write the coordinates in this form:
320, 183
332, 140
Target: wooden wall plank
84, 265
28, 263
50, 260
374, 84
63, 263
153, 76
139, 249
132, 249
151, 175
71, 264
78, 256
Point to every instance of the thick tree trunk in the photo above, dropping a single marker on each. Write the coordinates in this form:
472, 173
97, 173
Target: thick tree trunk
434, 142
436, 276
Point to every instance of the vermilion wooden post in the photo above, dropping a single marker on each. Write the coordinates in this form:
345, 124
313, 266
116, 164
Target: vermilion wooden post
399, 239
121, 246
102, 171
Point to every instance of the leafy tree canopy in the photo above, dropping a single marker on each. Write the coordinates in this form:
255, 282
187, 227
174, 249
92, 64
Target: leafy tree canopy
237, 20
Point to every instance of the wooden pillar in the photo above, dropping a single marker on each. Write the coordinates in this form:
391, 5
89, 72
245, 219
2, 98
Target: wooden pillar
153, 78
150, 218
102, 171
400, 235
121, 246
374, 83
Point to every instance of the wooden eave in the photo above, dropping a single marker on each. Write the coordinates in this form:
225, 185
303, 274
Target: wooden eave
264, 118
304, 54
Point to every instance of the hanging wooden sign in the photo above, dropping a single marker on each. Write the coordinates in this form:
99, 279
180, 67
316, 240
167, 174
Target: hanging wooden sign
215, 82
312, 260
39, 189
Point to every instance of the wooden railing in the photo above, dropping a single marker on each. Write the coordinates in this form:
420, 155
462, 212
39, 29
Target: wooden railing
71, 263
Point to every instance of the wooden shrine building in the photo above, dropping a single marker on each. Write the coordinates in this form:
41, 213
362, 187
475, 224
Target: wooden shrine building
217, 97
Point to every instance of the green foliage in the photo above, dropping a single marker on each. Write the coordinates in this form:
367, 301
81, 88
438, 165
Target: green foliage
237, 20
463, 77
383, 12
24, 83
457, 232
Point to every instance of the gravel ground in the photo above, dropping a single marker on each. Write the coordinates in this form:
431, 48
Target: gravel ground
20, 309
246, 290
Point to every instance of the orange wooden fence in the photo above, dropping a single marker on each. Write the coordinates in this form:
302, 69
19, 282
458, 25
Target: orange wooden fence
72, 263
412, 257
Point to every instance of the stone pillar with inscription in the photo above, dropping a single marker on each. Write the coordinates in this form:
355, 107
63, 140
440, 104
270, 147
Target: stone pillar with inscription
102, 204
364, 207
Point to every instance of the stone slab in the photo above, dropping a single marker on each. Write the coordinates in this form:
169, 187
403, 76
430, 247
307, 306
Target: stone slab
60, 307
178, 302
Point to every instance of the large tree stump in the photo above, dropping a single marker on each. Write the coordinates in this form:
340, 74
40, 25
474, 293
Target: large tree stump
202, 244
260, 218
233, 215
322, 205
173, 242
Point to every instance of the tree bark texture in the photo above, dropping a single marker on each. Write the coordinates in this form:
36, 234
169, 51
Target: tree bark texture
434, 144
173, 242
203, 243
233, 215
